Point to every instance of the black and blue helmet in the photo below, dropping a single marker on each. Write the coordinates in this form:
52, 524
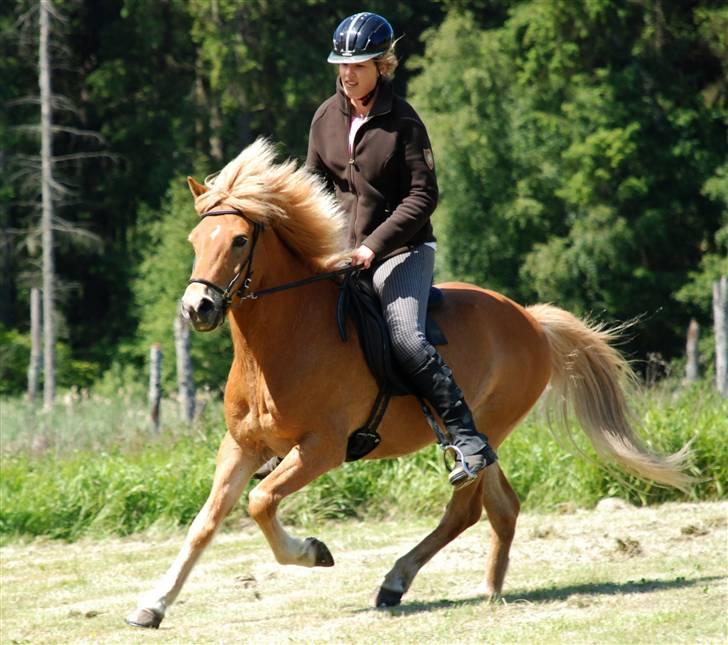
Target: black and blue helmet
361, 37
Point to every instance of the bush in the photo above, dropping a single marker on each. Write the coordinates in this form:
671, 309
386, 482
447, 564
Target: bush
15, 357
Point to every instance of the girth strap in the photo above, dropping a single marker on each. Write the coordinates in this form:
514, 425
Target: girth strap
365, 439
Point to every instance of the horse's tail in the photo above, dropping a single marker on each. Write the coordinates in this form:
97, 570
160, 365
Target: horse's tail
590, 378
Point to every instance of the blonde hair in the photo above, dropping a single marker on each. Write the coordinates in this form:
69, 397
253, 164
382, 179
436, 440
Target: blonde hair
387, 62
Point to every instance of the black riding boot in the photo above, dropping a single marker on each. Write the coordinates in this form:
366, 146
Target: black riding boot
435, 383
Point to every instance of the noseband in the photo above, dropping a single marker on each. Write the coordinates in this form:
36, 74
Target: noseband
227, 293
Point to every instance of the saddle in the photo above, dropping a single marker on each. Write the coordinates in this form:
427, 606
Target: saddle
358, 300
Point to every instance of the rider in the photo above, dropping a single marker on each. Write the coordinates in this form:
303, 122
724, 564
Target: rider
373, 148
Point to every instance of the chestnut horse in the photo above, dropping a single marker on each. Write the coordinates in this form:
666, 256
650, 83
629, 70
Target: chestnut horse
296, 389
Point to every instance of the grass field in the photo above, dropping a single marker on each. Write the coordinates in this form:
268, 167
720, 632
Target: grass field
617, 574
117, 497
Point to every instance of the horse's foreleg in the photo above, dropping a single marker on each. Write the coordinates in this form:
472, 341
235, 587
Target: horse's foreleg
464, 510
502, 506
304, 463
232, 472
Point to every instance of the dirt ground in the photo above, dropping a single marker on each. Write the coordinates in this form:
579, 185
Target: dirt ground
616, 574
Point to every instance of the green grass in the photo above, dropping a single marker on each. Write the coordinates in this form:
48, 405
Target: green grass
93, 467
545, 474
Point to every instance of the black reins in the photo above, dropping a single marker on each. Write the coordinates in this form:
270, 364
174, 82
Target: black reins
247, 268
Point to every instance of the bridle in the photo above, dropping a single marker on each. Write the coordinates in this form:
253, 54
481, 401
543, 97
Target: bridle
226, 294
246, 269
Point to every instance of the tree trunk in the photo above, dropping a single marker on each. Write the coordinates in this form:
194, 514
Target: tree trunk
36, 353
720, 322
185, 380
49, 356
155, 385
200, 108
692, 367
215, 129
214, 101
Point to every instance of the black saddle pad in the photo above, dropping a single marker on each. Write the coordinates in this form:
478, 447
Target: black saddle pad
358, 300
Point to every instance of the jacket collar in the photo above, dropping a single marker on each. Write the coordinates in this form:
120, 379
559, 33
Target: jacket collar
382, 101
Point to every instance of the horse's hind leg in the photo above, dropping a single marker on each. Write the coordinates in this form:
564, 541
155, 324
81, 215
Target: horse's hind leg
232, 472
464, 510
502, 506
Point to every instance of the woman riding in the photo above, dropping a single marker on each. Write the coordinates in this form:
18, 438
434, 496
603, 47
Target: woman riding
373, 148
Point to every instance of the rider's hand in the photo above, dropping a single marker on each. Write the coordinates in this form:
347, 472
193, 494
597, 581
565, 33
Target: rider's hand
363, 257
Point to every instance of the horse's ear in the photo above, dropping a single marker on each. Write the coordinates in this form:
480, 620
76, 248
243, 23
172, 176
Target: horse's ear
196, 187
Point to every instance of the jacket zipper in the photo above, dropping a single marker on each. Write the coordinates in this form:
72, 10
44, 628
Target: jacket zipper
352, 164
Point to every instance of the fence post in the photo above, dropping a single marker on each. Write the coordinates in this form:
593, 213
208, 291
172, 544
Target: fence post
720, 323
692, 366
185, 379
155, 385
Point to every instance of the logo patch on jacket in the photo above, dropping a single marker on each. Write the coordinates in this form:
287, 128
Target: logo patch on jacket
429, 159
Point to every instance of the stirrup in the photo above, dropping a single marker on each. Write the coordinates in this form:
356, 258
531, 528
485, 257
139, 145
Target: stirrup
459, 458
461, 474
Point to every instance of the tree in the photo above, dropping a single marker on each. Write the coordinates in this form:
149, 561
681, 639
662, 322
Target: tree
47, 188
573, 140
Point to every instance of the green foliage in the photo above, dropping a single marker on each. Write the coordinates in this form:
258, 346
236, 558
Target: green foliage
579, 148
545, 475
98, 471
714, 263
104, 493
15, 357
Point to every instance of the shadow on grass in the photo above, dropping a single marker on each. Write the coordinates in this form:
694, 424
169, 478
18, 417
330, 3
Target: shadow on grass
554, 594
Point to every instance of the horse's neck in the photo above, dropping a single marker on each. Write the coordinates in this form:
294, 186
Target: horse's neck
267, 331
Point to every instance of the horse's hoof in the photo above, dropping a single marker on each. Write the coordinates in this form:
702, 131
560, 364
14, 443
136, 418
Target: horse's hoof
323, 555
149, 618
387, 598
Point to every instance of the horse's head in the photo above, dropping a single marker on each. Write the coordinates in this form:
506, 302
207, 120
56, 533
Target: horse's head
223, 242
250, 192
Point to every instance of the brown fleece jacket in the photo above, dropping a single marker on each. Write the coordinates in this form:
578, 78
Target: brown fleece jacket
387, 185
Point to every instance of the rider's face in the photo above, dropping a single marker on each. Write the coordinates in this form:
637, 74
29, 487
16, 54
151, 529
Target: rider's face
358, 79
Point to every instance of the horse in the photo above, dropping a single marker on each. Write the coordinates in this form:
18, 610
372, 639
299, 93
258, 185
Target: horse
295, 389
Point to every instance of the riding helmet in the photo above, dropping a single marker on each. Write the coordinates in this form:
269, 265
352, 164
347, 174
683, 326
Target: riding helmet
361, 37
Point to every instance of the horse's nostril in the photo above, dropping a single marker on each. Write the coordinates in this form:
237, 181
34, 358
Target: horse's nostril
206, 307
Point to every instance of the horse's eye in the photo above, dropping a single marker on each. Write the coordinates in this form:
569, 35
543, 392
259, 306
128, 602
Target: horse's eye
240, 240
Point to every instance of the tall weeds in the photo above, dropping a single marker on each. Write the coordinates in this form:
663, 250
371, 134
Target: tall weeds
94, 468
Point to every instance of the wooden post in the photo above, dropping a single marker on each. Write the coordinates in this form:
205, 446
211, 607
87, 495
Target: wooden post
692, 366
36, 353
155, 385
185, 380
720, 323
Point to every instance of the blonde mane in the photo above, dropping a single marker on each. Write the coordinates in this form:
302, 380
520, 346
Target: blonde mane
290, 199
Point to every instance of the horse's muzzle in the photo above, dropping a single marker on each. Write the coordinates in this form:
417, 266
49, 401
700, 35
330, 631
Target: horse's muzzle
201, 308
